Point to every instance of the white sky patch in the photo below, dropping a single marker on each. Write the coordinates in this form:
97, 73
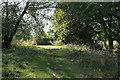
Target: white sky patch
48, 26
61, 0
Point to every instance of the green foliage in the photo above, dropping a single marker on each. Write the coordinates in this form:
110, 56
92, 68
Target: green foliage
85, 23
16, 43
23, 33
68, 27
51, 34
42, 38
21, 20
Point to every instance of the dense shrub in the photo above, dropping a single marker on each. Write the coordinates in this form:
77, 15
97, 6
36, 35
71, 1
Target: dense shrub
78, 47
58, 43
96, 46
43, 41
23, 43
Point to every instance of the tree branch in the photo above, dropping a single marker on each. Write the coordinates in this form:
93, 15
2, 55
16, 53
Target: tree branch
19, 19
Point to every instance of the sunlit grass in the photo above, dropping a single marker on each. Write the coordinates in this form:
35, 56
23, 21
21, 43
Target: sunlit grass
50, 46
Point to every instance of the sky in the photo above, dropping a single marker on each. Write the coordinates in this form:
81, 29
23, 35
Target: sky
48, 21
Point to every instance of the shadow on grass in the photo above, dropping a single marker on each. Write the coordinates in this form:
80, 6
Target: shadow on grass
33, 62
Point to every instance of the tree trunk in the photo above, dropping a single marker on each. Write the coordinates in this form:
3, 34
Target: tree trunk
7, 41
110, 34
105, 44
110, 45
7, 38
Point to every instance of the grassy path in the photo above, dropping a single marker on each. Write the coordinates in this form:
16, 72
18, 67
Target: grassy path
53, 62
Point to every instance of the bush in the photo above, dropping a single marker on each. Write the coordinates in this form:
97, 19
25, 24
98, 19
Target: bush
58, 43
16, 43
23, 43
96, 46
43, 41
78, 47
26, 43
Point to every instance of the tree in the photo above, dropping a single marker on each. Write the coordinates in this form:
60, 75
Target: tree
107, 19
9, 29
68, 26
88, 20
13, 14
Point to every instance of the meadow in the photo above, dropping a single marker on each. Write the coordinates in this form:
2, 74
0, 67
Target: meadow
67, 61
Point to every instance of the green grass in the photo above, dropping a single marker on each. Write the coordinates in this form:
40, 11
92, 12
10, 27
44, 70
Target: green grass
50, 46
37, 62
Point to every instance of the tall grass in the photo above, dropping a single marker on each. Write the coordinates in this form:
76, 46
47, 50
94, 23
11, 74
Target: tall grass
78, 47
101, 57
